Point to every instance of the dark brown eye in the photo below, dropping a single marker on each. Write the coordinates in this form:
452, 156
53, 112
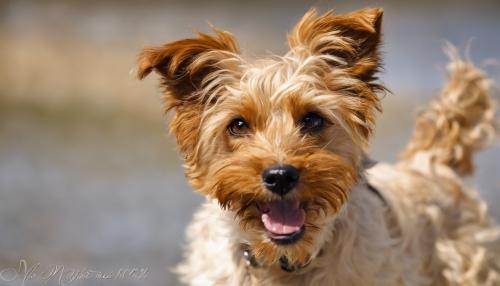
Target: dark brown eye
312, 122
238, 127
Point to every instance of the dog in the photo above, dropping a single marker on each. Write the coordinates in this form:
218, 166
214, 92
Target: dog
278, 148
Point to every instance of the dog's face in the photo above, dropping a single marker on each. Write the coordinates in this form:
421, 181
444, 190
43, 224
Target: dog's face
279, 141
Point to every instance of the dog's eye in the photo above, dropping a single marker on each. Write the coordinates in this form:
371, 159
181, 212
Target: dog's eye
312, 122
238, 127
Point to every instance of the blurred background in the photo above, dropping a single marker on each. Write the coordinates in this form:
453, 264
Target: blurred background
89, 178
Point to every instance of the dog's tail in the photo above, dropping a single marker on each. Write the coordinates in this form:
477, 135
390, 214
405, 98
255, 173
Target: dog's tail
459, 122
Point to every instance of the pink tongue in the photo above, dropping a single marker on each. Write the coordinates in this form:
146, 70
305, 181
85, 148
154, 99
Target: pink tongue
282, 216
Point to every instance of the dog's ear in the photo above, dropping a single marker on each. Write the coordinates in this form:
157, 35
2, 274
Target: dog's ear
352, 40
194, 72
185, 65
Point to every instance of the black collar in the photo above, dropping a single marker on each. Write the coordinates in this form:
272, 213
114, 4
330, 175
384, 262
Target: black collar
285, 265
376, 192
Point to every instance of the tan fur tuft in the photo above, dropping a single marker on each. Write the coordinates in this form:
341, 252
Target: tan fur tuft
459, 122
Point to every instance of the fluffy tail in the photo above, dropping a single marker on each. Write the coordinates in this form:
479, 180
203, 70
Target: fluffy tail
459, 122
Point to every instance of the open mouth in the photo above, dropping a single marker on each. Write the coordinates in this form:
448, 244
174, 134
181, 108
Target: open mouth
283, 220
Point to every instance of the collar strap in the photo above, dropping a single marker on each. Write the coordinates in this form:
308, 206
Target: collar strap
376, 192
249, 258
285, 265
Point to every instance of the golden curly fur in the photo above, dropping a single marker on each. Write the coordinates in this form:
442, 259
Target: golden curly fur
422, 227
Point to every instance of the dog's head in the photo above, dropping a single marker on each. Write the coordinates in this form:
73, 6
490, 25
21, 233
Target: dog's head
278, 141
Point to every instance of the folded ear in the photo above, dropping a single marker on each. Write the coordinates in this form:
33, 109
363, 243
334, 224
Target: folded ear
189, 65
352, 40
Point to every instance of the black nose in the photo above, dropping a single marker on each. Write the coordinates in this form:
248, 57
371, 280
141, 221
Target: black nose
280, 179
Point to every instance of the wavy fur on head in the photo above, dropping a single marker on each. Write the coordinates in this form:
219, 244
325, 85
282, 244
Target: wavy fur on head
421, 228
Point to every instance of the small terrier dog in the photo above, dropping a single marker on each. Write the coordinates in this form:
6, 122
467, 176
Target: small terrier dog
277, 146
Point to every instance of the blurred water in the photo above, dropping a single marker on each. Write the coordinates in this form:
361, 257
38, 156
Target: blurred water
91, 181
